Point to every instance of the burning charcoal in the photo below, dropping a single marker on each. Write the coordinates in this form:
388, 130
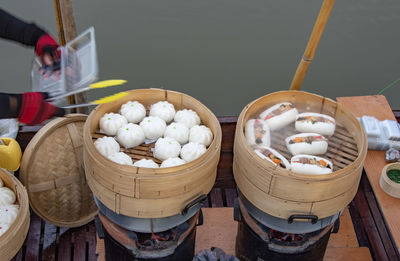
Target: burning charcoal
159, 240
285, 237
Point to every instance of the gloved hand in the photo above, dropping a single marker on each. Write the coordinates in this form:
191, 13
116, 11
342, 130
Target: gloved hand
34, 109
47, 50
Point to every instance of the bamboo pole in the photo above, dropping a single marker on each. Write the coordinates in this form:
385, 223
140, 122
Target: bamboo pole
66, 32
60, 27
68, 19
316, 34
61, 35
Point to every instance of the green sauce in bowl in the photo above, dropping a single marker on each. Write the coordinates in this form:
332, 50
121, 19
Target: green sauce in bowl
394, 175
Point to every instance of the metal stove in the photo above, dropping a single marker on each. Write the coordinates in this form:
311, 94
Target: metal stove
164, 239
265, 237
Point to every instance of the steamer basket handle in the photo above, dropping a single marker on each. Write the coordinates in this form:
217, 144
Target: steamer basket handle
199, 200
313, 218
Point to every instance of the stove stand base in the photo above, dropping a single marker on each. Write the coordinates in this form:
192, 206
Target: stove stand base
250, 247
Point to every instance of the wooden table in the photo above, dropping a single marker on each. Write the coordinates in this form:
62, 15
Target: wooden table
378, 107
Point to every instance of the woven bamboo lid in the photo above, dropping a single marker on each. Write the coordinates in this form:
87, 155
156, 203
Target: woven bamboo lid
53, 173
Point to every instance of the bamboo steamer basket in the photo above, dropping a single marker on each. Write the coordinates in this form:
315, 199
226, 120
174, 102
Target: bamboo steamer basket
150, 192
13, 239
389, 186
282, 193
52, 171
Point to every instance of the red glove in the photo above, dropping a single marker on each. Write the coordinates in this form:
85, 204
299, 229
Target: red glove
44, 44
34, 109
46, 48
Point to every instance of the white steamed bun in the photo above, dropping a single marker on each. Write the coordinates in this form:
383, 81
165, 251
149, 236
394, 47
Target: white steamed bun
166, 148
133, 111
192, 151
8, 213
172, 162
120, 158
106, 146
7, 196
187, 117
163, 110
145, 163
201, 134
130, 135
4, 227
111, 122
153, 127
177, 131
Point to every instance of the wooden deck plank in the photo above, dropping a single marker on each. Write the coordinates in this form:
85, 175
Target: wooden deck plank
64, 247
346, 236
375, 241
378, 107
379, 222
347, 254
92, 242
49, 242
33, 239
19, 256
358, 223
231, 195
216, 198
225, 173
228, 133
80, 244
206, 203
100, 249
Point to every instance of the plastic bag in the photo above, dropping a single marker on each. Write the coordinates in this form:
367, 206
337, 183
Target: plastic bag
216, 254
9, 128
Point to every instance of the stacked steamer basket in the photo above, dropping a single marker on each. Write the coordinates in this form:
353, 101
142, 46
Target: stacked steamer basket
12, 240
150, 202
277, 203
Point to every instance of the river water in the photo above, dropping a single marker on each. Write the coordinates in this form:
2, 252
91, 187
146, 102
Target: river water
226, 53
